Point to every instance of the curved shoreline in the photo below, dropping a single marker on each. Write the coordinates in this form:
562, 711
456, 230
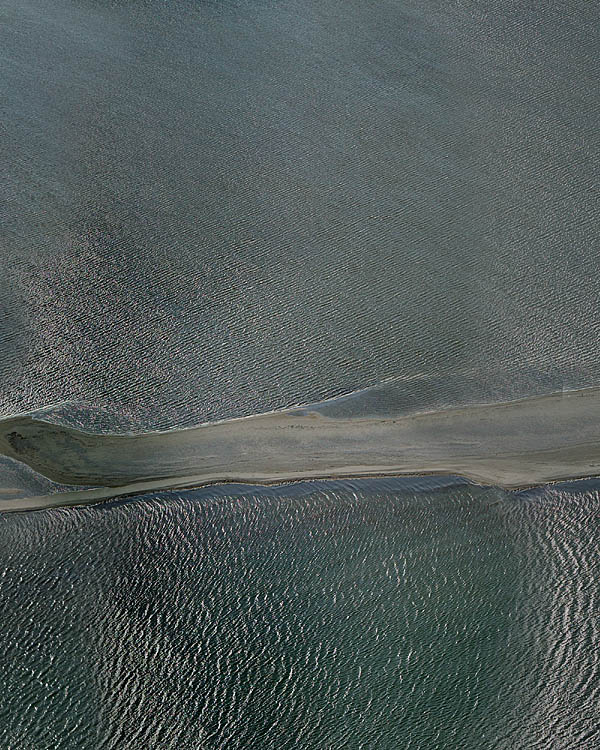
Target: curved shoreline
512, 445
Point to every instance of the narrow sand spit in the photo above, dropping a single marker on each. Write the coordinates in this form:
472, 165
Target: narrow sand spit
512, 444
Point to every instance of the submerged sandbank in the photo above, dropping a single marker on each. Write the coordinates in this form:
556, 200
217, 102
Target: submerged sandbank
513, 444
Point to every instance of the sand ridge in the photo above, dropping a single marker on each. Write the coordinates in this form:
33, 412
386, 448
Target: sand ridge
511, 444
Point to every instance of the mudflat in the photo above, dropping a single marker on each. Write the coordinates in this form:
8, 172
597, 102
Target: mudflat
511, 444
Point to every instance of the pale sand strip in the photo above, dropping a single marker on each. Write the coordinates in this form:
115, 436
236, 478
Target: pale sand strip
513, 444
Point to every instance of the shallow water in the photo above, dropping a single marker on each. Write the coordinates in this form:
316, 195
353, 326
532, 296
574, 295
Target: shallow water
218, 208
332, 614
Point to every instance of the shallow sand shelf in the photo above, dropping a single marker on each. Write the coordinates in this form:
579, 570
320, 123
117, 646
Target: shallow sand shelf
526, 442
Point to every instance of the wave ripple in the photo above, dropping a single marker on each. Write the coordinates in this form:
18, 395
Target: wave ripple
340, 615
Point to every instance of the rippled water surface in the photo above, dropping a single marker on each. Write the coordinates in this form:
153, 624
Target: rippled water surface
218, 207
374, 614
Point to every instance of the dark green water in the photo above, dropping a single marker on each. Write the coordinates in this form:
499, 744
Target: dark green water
376, 614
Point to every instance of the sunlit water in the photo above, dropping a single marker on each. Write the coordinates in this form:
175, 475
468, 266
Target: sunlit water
374, 614
218, 207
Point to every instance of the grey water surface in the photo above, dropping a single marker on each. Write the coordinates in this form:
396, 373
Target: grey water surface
218, 207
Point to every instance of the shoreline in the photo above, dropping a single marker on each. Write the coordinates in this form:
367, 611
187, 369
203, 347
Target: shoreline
96, 496
516, 444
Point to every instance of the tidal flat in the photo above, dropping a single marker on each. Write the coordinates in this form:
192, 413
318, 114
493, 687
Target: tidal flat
512, 444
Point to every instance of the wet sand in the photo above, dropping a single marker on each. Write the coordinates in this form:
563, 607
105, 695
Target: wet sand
514, 444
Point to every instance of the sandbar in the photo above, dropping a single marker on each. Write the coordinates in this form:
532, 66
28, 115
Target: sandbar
512, 444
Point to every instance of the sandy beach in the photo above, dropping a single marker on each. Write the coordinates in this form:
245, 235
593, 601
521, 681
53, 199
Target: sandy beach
512, 444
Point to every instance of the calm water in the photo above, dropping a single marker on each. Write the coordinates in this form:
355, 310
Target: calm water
217, 207
322, 615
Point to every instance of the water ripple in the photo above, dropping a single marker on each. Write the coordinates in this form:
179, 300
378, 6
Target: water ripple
351, 614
